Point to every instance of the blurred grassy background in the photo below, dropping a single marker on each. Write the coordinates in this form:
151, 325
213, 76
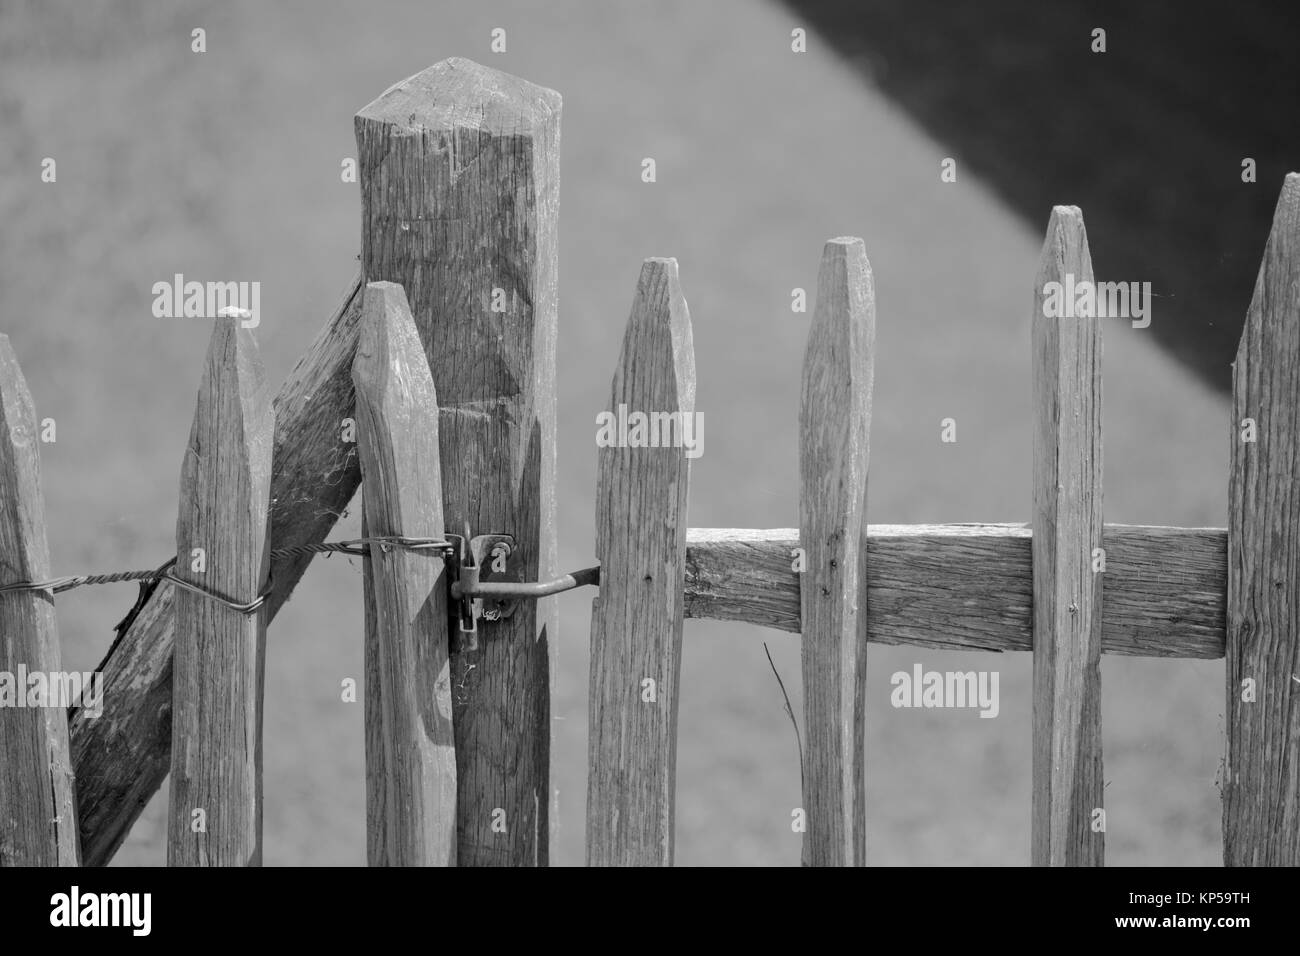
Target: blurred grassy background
226, 166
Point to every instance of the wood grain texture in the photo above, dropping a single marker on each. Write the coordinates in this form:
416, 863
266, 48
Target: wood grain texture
220, 653
1261, 787
38, 820
459, 172
376, 774
968, 586
636, 621
122, 758
1067, 592
397, 435
834, 427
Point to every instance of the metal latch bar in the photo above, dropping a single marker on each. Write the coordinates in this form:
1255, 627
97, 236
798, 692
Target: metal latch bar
523, 590
471, 559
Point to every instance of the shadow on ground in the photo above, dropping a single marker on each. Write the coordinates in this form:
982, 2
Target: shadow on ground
1147, 138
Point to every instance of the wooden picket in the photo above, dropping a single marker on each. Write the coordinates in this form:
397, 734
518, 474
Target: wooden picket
407, 619
1067, 809
222, 549
1261, 774
38, 819
636, 622
834, 428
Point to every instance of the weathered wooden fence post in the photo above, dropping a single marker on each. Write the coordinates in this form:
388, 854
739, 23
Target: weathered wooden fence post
1261, 778
222, 549
834, 430
636, 622
397, 435
1068, 820
459, 172
38, 819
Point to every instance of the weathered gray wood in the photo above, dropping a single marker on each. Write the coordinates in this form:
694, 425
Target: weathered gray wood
459, 171
397, 435
122, 757
969, 587
220, 653
1261, 780
834, 428
1067, 526
376, 773
38, 820
636, 621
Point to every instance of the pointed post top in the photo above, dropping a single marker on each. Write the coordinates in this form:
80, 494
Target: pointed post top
659, 335
844, 319
461, 93
1065, 247
1273, 302
17, 411
226, 474
390, 370
659, 298
233, 373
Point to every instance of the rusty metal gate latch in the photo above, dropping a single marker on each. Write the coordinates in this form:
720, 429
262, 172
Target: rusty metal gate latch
486, 578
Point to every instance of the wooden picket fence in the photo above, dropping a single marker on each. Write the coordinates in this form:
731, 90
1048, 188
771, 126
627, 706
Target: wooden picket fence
445, 404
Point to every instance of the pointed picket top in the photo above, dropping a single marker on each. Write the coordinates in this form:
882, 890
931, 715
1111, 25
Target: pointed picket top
457, 92
1261, 790
233, 415
834, 442
1065, 248
397, 418
659, 312
1067, 825
837, 357
657, 359
1273, 305
656, 364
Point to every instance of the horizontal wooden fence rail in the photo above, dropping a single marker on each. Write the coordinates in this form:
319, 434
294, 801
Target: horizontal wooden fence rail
969, 586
